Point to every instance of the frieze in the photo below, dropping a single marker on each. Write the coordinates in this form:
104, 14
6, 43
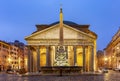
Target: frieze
71, 42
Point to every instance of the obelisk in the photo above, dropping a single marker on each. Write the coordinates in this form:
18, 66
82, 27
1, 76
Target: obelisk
61, 54
61, 28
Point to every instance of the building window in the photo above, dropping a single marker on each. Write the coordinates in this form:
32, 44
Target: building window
5, 56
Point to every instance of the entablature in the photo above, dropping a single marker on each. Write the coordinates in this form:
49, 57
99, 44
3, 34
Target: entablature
56, 42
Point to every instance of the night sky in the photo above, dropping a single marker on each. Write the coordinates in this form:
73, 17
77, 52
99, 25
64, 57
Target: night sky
19, 17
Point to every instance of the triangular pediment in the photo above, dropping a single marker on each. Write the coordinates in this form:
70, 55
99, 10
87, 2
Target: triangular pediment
53, 33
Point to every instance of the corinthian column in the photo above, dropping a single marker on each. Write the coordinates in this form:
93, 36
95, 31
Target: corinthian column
47, 56
92, 59
84, 60
38, 58
29, 60
66, 49
32, 69
75, 56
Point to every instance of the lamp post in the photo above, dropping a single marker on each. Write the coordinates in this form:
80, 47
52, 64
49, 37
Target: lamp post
9, 63
105, 62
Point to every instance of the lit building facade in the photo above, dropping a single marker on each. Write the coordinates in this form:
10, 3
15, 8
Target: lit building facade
62, 43
18, 53
12, 55
112, 51
4, 55
100, 59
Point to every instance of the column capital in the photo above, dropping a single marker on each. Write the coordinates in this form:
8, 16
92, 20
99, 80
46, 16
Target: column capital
92, 46
28, 46
47, 46
84, 46
38, 47
75, 45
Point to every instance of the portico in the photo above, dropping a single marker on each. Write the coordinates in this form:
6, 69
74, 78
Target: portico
76, 48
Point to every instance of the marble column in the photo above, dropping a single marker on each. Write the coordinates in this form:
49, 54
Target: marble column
84, 59
32, 69
38, 58
66, 49
92, 58
47, 55
56, 49
29, 60
75, 55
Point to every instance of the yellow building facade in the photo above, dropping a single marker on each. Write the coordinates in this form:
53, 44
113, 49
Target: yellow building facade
4, 55
63, 43
12, 57
112, 51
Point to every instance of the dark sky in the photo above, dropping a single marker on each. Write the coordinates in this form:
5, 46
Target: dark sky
19, 17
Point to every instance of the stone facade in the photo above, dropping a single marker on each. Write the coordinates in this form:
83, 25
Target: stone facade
100, 58
4, 55
12, 55
79, 44
112, 51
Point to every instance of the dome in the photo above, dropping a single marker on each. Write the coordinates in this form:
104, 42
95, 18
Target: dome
65, 22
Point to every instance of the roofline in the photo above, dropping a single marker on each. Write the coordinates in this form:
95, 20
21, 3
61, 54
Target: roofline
4, 42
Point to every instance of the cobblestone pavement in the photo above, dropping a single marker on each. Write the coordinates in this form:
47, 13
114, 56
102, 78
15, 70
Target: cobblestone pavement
111, 76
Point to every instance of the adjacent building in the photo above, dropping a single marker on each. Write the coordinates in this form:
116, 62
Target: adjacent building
112, 51
18, 52
100, 59
4, 55
12, 55
62, 43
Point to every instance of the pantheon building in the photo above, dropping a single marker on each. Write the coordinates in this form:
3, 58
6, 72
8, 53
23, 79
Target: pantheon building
62, 43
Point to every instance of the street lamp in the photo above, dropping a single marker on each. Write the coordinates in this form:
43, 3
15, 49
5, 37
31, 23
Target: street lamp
9, 60
117, 48
9, 63
105, 61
